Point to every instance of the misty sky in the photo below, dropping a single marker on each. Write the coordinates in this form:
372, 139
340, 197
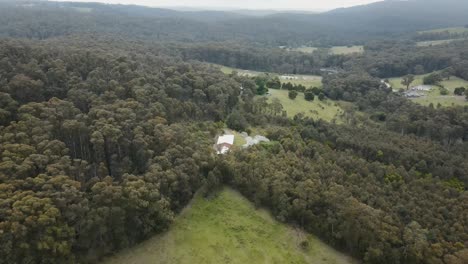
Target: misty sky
243, 4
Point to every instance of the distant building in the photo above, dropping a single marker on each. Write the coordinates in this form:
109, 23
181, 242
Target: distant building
413, 94
329, 70
224, 144
424, 88
389, 86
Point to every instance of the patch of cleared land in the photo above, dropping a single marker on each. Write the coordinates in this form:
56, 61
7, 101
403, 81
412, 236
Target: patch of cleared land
306, 80
434, 96
344, 50
228, 229
229, 70
239, 140
305, 49
455, 30
83, 9
337, 50
434, 42
326, 110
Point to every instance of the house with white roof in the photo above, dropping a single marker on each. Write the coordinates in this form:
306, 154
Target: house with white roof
224, 144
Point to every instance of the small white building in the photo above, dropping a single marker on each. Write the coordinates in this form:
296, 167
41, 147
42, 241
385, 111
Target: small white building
224, 144
424, 88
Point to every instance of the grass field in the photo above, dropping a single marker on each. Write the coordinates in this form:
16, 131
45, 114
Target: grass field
434, 96
306, 80
228, 229
326, 110
434, 42
239, 140
83, 9
337, 50
305, 49
344, 50
455, 30
229, 70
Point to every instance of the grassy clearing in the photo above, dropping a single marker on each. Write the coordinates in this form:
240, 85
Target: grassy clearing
306, 80
337, 50
344, 50
239, 140
228, 229
326, 110
229, 70
434, 96
305, 49
83, 9
454, 30
434, 42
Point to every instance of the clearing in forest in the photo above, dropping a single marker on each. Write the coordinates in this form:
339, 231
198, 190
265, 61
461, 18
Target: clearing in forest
336, 50
306, 80
326, 110
434, 42
434, 95
452, 30
344, 50
228, 229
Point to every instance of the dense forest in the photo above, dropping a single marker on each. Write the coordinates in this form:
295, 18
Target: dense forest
386, 19
99, 149
105, 137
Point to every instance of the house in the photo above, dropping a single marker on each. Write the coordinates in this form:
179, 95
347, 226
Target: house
413, 94
224, 144
424, 88
329, 70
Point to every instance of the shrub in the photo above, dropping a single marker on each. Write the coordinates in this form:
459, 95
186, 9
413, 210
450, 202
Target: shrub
292, 94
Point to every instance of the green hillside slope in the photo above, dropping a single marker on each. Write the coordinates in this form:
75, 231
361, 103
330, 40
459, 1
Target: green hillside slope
228, 229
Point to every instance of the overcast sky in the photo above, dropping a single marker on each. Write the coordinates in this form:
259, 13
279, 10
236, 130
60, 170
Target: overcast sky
243, 4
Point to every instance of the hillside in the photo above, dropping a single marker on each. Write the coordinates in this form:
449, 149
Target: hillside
228, 229
338, 27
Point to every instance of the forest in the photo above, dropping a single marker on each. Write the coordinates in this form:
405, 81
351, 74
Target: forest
105, 137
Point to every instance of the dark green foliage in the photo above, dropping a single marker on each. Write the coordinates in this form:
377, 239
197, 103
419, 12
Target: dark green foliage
349, 87
432, 79
237, 121
292, 94
366, 195
316, 90
339, 27
407, 80
321, 96
443, 91
261, 85
309, 95
274, 83
459, 91
100, 147
294, 87
103, 140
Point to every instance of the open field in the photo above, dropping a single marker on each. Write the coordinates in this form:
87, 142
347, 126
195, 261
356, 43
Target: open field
239, 140
83, 9
306, 80
337, 50
326, 110
228, 229
305, 49
434, 96
434, 42
344, 50
229, 70
455, 30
